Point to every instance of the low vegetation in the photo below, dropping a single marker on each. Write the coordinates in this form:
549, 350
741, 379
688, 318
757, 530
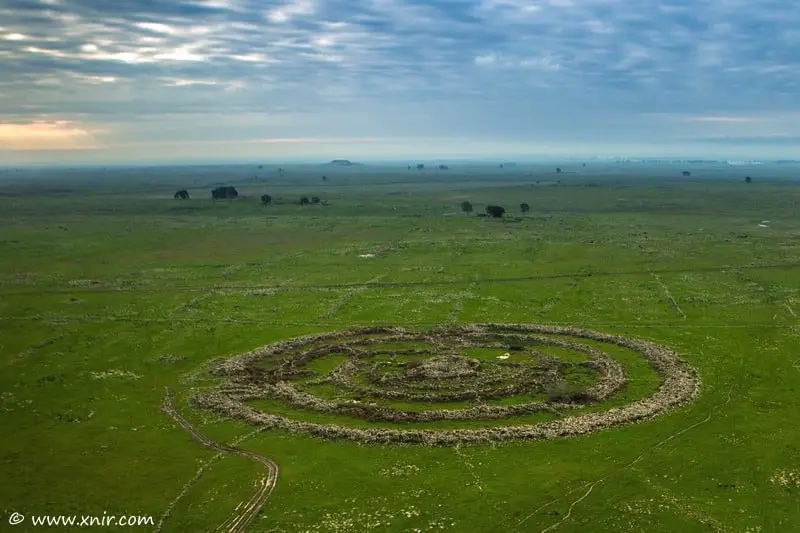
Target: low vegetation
622, 358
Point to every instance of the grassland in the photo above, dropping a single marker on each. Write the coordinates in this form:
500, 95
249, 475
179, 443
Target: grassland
110, 291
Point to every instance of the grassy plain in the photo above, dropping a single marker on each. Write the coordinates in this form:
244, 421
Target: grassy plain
110, 291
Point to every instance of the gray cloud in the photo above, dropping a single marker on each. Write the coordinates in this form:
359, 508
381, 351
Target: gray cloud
569, 69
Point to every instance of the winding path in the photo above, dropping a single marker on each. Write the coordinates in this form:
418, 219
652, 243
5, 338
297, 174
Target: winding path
246, 511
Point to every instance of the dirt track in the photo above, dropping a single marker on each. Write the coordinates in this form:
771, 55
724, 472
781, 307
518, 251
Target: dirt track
246, 511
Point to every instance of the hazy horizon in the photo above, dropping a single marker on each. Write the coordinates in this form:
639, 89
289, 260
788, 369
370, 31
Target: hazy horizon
228, 81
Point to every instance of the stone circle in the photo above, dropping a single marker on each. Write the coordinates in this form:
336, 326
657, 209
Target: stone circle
389, 379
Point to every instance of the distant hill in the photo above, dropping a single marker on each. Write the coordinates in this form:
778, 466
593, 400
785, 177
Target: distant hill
343, 163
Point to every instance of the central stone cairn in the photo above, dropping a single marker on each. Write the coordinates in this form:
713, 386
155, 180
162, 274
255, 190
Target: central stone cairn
393, 375
443, 366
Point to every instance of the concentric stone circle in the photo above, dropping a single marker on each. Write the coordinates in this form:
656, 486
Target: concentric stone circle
435, 369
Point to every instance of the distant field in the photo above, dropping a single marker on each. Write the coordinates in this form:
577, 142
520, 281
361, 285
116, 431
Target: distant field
111, 291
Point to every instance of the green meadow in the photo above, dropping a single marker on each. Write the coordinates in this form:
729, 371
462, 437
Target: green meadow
111, 291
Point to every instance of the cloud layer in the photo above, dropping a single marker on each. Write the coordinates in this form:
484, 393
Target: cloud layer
620, 75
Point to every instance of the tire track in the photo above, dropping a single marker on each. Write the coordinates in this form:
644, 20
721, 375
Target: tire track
246, 511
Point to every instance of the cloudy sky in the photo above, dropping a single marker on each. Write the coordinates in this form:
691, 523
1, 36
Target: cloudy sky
197, 80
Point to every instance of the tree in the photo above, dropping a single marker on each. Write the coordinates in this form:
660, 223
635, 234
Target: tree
224, 192
304, 200
443, 167
558, 170
748, 179
420, 166
495, 211
466, 207
324, 178
686, 173
409, 167
266, 199
524, 208
315, 199
181, 195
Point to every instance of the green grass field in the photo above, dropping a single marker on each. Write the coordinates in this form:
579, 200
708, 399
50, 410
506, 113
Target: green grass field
110, 291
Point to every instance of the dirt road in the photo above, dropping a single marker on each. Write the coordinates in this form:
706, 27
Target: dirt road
246, 511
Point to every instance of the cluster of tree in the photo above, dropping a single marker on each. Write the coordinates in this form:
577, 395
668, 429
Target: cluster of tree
181, 195
266, 199
444, 167
224, 192
494, 211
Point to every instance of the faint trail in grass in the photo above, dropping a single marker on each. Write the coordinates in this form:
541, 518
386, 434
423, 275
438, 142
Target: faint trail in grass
247, 510
400, 284
641, 456
185, 490
200, 471
341, 302
194, 301
476, 480
669, 297
458, 306
31, 351
61, 319
770, 294
576, 502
